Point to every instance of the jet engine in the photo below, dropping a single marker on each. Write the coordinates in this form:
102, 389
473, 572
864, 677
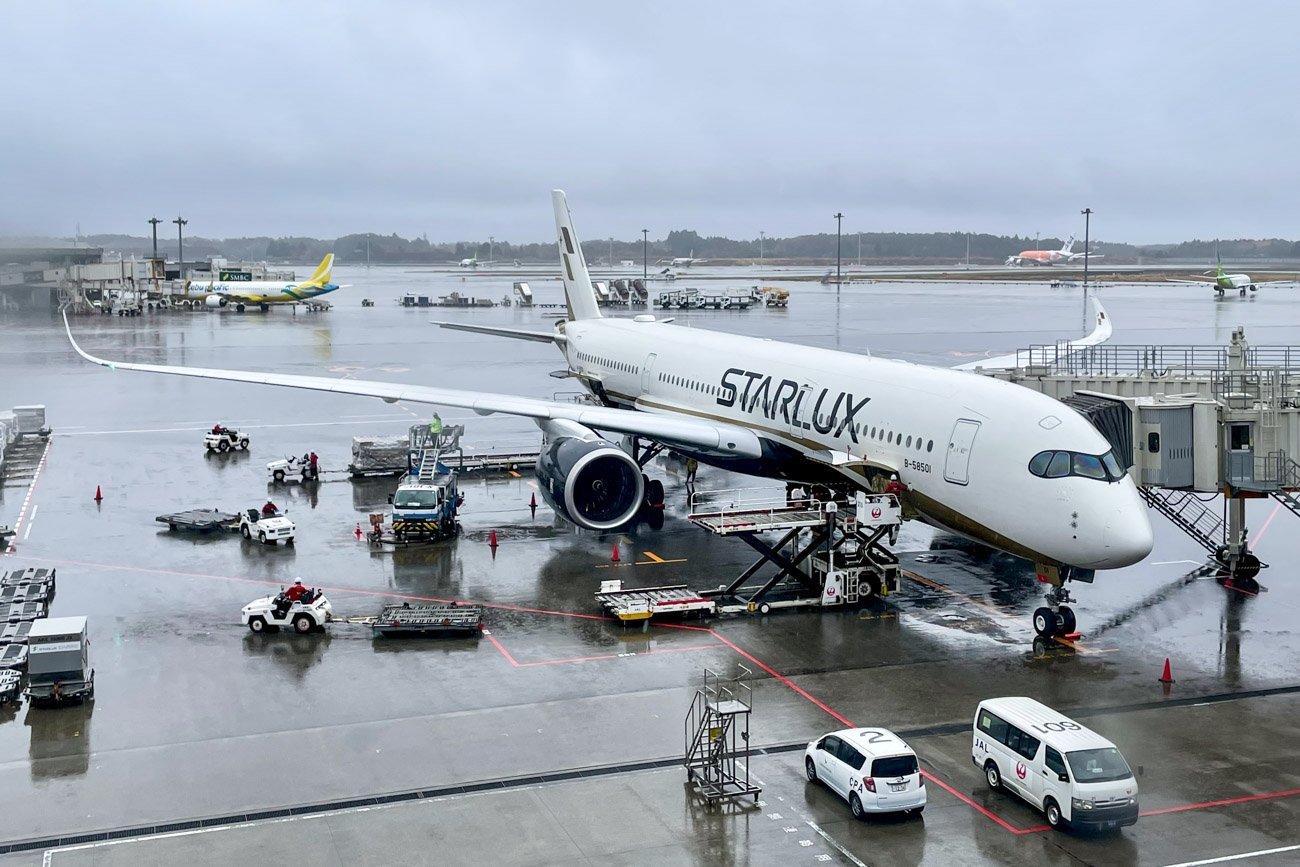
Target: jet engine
216, 301
587, 479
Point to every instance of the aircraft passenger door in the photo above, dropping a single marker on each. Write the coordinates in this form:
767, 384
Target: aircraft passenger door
647, 372
956, 468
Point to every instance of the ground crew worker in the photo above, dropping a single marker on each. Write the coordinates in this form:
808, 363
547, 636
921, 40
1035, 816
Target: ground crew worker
296, 591
692, 467
217, 429
435, 426
269, 509
315, 470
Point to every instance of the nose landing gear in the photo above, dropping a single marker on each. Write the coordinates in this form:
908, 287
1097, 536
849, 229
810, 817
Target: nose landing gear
1057, 617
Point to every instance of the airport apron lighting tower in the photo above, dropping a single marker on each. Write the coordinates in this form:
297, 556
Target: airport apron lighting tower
1087, 251
645, 247
839, 219
180, 247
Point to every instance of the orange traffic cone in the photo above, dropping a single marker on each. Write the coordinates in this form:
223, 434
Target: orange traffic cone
98, 495
1168, 676
492, 540
614, 557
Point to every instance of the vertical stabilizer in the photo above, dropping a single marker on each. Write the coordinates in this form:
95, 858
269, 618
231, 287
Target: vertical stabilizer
579, 294
322, 272
1069, 246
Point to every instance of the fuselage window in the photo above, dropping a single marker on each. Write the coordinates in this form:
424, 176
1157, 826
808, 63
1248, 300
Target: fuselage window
929, 446
909, 442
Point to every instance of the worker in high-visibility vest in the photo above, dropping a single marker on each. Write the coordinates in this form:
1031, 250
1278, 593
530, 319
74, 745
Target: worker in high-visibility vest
435, 426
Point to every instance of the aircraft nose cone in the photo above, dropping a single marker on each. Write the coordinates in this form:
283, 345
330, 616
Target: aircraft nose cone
1128, 539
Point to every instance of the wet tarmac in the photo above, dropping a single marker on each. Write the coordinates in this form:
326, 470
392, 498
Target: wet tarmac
195, 718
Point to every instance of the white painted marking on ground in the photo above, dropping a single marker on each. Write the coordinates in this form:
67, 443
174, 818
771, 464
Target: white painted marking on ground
27, 500
829, 839
30, 522
1244, 855
1178, 562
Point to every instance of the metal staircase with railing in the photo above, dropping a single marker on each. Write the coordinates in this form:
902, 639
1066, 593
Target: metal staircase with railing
1189, 513
717, 739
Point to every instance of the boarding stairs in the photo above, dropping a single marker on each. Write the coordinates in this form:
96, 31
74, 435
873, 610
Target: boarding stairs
1288, 499
1189, 513
717, 739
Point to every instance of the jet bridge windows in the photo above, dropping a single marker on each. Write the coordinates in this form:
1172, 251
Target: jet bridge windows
1059, 464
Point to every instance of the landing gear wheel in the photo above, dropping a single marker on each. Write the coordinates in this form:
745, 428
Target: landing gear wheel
239, 308
1065, 620
855, 807
810, 768
302, 624
1045, 622
257, 624
654, 492
992, 776
264, 307
655, 518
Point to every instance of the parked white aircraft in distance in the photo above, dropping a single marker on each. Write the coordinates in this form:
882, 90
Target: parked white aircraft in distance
1065, 255
1224, 282
993, 461
683, 261
263, 293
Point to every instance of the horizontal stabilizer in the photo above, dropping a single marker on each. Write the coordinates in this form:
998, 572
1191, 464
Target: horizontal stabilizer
516, 333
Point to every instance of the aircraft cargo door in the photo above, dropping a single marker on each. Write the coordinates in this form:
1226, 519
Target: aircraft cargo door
956, 467
647, 372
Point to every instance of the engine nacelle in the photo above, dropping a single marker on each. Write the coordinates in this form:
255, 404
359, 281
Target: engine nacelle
216, 301
588, 480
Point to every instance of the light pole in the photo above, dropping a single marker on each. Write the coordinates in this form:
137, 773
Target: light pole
760, 254
153, 224
611, 252
859, 249
490, 240
645, 250
180, 246
1035, 242
839, 219
1087, 225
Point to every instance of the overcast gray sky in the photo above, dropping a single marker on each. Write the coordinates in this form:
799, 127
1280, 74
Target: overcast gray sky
1171, 120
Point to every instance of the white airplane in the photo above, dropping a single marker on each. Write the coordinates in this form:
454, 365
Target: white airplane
1051, 257
472, 262
263, 293
1223, 282
993, 461
683, 261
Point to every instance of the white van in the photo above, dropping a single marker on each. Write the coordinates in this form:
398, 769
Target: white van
871, 768
1074, 775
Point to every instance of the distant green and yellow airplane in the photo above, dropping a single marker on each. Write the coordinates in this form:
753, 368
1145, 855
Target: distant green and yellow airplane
1228, 282
263, 293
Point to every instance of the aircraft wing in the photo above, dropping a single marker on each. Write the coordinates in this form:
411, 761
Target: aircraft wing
671, 428
1202, 281
1101, 332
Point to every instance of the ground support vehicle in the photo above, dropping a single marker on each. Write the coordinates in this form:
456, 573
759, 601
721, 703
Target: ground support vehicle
307, 614
58, 662
438, 619
267, 529
10, 686
1071, 773
225, 441
200, 521
871, 768
291, 469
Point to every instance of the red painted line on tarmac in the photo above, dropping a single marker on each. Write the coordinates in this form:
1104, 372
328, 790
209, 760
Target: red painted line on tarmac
982, 810
492, 638
1267, 521
783, 679
1267, 796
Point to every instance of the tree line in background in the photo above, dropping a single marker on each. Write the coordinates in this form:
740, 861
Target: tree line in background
873, 247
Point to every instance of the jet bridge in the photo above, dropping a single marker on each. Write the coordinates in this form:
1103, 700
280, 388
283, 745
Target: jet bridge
1202, 429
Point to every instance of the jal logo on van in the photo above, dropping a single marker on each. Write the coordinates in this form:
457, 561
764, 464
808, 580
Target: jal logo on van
1021, 770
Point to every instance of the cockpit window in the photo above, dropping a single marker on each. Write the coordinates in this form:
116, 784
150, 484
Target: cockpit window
1059, 464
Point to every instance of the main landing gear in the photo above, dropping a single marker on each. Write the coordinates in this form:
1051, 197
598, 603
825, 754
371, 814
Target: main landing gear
1057, 617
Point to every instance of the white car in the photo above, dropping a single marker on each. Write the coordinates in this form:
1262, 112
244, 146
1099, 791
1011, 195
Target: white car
309, 614
227, 440
292, 468
871, 768
267, 529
